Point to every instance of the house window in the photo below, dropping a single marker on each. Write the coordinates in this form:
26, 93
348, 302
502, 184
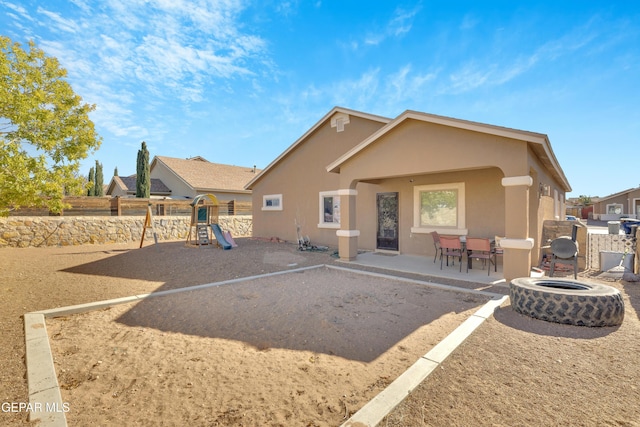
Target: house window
439, 207
329, 213
614, 209
272, 202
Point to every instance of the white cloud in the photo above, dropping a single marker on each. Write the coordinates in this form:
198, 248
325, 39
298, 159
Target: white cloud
21, 11
398, 25
61, 23
155, 49
405, 84
402, 21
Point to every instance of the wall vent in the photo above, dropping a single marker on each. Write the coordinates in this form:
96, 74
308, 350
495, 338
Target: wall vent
339, 120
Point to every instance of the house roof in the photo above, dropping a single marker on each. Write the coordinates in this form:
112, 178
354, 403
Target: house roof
538, 142
319, 123
614, 195
128, 184
202, 175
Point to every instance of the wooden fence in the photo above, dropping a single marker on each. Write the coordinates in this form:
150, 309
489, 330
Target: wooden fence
125, 206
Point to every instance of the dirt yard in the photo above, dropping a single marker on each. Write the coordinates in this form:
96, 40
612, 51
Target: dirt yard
306, 348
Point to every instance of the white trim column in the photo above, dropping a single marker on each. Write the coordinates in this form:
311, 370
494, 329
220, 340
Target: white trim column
517, 243
348, 234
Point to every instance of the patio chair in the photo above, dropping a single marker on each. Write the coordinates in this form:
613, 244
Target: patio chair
436, 244
450, 246
564, 251
479, 248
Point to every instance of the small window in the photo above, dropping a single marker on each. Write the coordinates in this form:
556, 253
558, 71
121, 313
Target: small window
439, 207
272, 202
329, 210
614, 209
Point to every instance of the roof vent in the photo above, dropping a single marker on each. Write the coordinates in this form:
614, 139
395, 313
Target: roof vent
339, 120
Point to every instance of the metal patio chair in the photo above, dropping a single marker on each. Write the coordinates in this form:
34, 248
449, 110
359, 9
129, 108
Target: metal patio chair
479, 248
450, 247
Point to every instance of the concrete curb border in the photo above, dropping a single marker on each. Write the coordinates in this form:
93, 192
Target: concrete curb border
380, 406
45, 400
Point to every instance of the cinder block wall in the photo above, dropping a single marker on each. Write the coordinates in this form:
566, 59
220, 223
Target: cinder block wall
67, 231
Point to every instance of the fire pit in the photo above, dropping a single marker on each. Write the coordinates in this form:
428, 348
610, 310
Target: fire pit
567, 301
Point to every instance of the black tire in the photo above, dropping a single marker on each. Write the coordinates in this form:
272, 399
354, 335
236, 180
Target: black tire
566, 301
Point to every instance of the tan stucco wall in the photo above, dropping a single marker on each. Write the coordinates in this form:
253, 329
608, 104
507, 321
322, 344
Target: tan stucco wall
414, 147
413, 153
118, 192
300, 177
178, 187
543, 207
484, 200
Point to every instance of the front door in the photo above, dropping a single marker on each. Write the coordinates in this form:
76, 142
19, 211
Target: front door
387, 236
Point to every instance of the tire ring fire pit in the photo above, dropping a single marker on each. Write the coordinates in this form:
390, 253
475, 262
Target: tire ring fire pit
566, 301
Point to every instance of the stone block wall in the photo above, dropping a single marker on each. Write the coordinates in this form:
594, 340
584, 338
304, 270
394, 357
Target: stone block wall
67, 231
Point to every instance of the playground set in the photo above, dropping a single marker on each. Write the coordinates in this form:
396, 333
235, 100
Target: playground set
203, 228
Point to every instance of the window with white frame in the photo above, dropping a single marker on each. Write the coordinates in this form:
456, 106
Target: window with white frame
272, 202
329, 209
439, 207
614, 209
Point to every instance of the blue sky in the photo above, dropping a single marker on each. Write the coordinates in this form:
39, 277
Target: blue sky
237, 82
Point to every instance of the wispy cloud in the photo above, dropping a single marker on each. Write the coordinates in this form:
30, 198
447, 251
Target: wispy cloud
400, 24
498, 68
168, 49
60, 23
19, 10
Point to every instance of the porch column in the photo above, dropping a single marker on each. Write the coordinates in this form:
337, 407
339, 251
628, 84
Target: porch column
348, 235
517, 244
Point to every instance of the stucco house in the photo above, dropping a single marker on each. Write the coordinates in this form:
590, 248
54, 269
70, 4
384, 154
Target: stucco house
624, 204
361, 181
125, 186
188, 178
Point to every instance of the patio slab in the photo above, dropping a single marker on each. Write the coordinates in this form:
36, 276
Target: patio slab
425, 266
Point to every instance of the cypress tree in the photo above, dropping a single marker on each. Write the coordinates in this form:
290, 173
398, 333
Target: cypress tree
143, 178
99, 187
91, 178
115, 171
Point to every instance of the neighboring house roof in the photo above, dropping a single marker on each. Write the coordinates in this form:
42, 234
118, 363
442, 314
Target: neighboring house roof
300, 140
204, 176
538, 142
128, 184
614, 195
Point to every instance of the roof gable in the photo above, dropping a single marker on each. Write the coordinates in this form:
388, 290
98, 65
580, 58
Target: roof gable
128, 184
304, 137
618, 194
539, 142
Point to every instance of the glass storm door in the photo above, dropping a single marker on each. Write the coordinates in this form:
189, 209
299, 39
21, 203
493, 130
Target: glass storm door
387, 236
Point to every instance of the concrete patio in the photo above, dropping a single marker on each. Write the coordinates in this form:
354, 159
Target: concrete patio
425, 266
